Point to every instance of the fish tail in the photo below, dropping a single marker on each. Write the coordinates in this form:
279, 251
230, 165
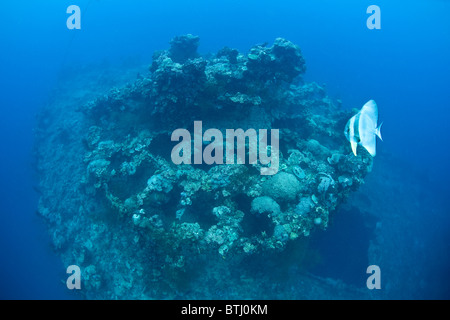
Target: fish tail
378, 131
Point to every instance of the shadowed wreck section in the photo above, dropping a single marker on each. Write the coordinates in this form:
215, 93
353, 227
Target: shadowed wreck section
140, 226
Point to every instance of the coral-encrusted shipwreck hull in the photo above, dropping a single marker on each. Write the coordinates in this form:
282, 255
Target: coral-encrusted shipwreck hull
140, 226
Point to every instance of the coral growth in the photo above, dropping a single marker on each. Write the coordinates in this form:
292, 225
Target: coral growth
158, 218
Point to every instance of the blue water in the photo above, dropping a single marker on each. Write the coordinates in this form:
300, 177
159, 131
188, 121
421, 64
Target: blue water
404, 67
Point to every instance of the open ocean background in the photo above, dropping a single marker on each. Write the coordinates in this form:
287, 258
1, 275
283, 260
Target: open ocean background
404, 67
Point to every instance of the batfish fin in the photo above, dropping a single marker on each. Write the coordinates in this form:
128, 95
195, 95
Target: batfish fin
378, 131
354, 145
